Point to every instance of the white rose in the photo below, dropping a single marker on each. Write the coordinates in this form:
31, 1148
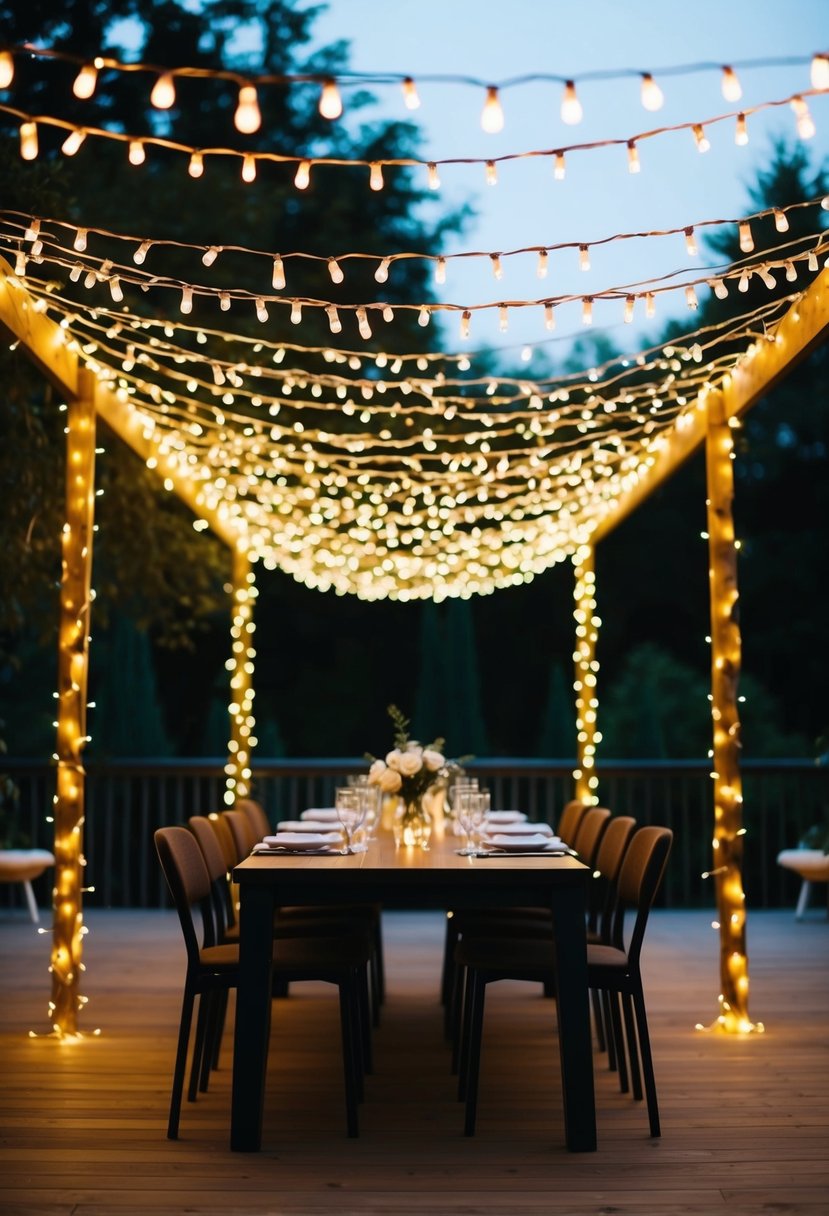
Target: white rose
433, 760
410, 763
393, 759
390, 781
376, 771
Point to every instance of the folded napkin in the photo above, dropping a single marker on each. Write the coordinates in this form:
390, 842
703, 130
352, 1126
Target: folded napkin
506, 817
305, 825
323, 814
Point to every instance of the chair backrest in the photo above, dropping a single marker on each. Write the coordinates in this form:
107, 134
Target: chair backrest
639, 879
224, 836
189, 883
208, 842
256, 814
570, 819
606, 868
587, 838
244, 837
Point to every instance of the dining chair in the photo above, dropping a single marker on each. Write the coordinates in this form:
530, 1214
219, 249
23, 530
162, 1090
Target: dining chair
612, 967
571, 816
587, 836
256, 814
601, 904
213, 970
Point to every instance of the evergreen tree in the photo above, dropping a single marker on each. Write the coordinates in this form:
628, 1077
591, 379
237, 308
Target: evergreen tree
557, 736
431, 695
127, 719
463, 721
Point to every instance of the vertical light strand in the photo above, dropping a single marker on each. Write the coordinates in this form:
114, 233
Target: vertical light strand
240, 666
73, 662
586, 672
726, 660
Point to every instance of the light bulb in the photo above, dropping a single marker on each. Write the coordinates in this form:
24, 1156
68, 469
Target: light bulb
633, 157
746, 239
497, 268
334, 322
72, 142
209, 256
549, 317
571, 111
466, 317
767, 277
584, 257
791, 273
330, 104
492, 115
388, 313
335, 270
819, 72
28, 140
805, 124
196, 166
691, 298
432, 176
690, 242
720, 289
247, 118
261, 310
278, 278
559, 167
32, 231
629, 303
781, 221
81, 239
742, 285
85, 82
491, 173
140, 255
731, 87
652, 96
303, 175
6, 69
541, 268
381, 274
375, 180
20, 263
440, 271
163, 95
248, 167
115, 289
503, 318
362, 324
423, 316
296, 312
587, 310
811, 261
741, 131
650, 304
186, 305
410, 97
224, 301
700, 138
136, 153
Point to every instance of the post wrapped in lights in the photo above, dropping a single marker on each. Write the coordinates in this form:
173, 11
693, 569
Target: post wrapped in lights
726, 657
73, 650
240, 666
586, 672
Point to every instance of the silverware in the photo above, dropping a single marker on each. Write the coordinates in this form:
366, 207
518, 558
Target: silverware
529, 853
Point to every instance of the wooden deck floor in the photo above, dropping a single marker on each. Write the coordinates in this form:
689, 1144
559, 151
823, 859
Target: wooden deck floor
745, 1122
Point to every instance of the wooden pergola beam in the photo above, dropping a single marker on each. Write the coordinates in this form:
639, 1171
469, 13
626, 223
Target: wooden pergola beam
803, 328
45, 343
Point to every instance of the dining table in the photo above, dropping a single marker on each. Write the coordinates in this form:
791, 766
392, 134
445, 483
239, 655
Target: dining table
437, 877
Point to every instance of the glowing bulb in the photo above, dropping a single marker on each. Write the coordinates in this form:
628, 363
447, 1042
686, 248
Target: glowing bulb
136, 153
559, 167
720, 289
466, 317
742, 285
440, 271
791, 273
767, 277
6, 69
781, 221
72, 142
209, 256
700, 138
28, 140
746, 239
584, 257
819, 72
375, 180
334, 322
81, 237
549, 317
497, 268
196, 166
571, 111
186, 305
303, 175
432, 176
410, 97
811, 261
388, 313
690, 242
491, 173
805, 123
115, 289
261, 310
587, 310
32, 231
503, 318
541, 268
691, 298
330, 104
248, 167
247, 118
296, 312
381, 274
85, 82
652, 96
731, 87
492, 115
633, 157
650, 304
163, 95
224, 301
629, 303
741, 131
362, 324
335, 270
278, 278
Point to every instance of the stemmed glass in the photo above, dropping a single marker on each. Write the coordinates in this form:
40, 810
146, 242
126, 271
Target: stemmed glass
351, 809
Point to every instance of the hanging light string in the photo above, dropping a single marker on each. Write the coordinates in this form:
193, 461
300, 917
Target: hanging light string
138, 145
163, 93
144, 246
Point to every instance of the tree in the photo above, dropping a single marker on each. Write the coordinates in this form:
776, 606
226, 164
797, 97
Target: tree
128, 719
557, 735
463, 723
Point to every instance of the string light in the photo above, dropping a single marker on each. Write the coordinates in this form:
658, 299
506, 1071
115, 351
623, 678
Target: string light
691, 298
571, 109
819, 72
85, 82
296, 312
629, 305
745, 236
781, 222
248, 167
541, 267
163, 95
362, 324
731, 88
584, 257
652, 96
491, 173
410, 96
587, 310
335, 271
381, 274
186, 304
196, 165
28, 140
503, 318
334, 322
497, 268
209, 256
440, 270
466, 317
433, 179
741, 131
140, 255
549, 317
633, 157
136, 153
492, 115
261, 310
559, 167
248, 117
278, 277
302, 177
690, 242
6, 69
81, 238
72, 142
805, 123
330, 103
700, 138
376, 176
423, 315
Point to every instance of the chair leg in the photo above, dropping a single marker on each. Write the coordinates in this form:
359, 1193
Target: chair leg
647, 1059
618, 1038
463, 1014
350, 1041
181, 1062
448, 971
365, 1021
473, 1051
598, 1019
31, 901
220, 1028
633, 1052
199, 1048
379, 964
802, 900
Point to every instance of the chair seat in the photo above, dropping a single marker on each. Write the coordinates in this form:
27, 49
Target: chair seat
811, 864
22, 865
599, 955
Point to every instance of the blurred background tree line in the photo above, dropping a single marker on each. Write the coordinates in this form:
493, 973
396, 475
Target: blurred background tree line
492, 674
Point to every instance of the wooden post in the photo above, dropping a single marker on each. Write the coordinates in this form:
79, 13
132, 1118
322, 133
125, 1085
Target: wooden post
73, 654
586, 671
726, 659
242, 739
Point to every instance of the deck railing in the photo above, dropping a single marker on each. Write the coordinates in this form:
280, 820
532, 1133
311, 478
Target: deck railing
127, 800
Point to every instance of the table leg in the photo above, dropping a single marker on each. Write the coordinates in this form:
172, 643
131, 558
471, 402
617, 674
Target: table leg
253, 1018
568, 905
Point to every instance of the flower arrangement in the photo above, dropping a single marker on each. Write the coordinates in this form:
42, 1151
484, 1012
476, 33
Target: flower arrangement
410, 768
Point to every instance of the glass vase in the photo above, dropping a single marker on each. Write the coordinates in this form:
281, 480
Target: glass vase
412, 824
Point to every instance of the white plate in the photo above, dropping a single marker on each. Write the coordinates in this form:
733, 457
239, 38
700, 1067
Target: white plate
520, 829
500, 817
303, 842
303, 825
323, 814
520, 844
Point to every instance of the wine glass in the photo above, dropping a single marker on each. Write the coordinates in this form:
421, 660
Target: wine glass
351, 811
469, 809
455, 791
